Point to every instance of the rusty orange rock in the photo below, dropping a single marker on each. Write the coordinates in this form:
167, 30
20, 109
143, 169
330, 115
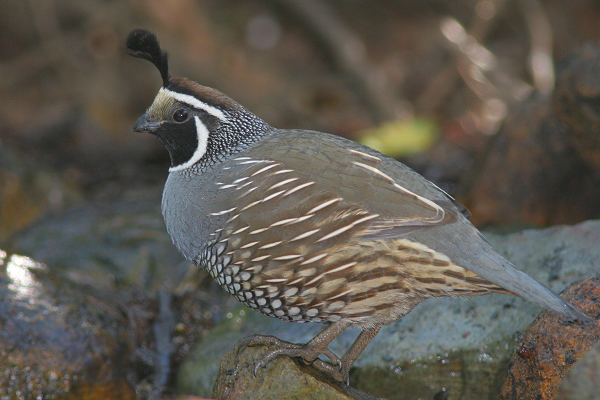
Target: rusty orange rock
551, 346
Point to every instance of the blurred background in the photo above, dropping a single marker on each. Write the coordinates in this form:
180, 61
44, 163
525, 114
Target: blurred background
429, 82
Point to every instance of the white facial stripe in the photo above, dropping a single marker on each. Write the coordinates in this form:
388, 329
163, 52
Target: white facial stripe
195, 103
202, 135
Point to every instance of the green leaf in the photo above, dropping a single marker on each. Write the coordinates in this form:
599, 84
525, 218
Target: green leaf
401, 138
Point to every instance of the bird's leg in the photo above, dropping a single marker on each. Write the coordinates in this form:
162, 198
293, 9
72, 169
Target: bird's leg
309, 352
356, 350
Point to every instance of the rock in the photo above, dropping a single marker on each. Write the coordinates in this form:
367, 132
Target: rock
120, 249
581, 382
61, 340
551, 346
285, 378
445, 347
120, 241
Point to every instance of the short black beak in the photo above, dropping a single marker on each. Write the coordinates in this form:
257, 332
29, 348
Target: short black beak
143, 125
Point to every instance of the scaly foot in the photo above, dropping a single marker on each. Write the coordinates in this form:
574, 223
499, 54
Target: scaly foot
309, 353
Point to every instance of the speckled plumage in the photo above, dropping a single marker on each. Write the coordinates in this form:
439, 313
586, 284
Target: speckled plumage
309, 227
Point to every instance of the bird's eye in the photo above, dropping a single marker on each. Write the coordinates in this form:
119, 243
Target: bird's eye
180, 115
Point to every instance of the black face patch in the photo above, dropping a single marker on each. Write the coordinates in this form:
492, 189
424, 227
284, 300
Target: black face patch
180, 140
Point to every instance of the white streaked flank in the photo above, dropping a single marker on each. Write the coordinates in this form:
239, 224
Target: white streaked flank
339, 295
374, 170
313, 259
282, 183
247, 192
360, 153
303, 218
227, 186
244, 185
323, 205
272, 196
340, 268
287, 257
336, 232
260, 258
233, 217
314, 280
223, 212
275, 280
363, 219
307, 272
251, 204
302, 186
430, 203
257, 231
438, 209
248, 245
283, 222
268, 167
253, 162
269, 245
305, 235
240, 230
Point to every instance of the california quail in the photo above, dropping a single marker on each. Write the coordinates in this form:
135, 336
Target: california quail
309, 227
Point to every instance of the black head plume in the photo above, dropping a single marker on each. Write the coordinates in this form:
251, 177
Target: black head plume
144, 44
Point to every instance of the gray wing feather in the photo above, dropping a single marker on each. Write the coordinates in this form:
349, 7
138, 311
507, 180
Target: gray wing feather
407, 205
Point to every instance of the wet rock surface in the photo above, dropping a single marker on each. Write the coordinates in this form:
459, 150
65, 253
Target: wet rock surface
551, 346
104, 243
63, 340
114, 296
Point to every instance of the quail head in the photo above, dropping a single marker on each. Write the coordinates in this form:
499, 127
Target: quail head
309, 227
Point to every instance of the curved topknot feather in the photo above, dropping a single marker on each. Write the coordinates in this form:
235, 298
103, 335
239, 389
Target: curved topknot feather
144, 44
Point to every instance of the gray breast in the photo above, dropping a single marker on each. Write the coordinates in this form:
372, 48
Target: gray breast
187, 205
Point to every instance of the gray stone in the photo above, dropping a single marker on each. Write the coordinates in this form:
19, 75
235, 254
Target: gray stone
62, 340
100, 244
287, 379
581, 382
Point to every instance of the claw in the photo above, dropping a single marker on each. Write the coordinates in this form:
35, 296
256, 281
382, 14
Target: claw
308, 353
262, 340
